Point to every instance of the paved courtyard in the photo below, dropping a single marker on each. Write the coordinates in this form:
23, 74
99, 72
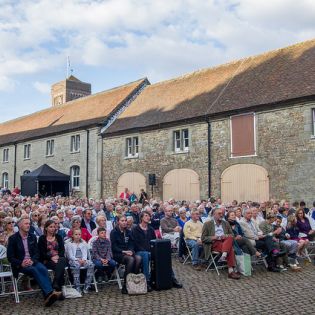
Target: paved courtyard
203, 293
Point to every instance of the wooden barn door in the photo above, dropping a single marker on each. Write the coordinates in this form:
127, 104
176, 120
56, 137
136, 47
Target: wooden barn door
131, 180
181, 184
245, 182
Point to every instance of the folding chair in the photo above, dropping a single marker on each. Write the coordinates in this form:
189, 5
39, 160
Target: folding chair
310, 251
5, 273
214, 256
189, 255
94, 282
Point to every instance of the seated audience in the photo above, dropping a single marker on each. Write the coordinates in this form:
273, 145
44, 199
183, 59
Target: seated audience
192, 234
261, 242
217, 235
23, 255
242, 242
304, 226
77, 253
76, 223
52, 253
102, 256
294, 232
123, 249
170, 227
87, 221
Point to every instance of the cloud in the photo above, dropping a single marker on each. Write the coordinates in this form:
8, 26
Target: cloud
42, 87
157, 38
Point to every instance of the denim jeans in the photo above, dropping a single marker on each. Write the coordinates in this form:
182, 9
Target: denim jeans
108, 268
146, 256
195, 250
40, 274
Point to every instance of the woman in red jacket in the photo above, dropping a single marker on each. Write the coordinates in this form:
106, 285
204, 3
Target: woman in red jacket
76, 224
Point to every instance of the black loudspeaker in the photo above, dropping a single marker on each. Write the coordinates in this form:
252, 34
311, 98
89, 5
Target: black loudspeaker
161, 264
152, 179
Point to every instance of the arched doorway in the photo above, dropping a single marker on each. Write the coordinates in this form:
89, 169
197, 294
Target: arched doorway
244, 182
131, 180
181, 184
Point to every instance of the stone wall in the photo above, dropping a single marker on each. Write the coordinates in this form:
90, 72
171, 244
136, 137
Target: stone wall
285, 148
62, 159
156, 156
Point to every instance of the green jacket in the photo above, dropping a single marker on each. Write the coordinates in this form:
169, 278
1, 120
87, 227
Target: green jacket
208, 231
266, 227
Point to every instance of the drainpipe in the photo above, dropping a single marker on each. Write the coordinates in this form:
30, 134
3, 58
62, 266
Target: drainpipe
209, 159
102, 160
14, 172
87, 163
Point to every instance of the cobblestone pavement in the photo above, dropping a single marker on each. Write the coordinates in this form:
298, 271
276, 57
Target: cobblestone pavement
203, 293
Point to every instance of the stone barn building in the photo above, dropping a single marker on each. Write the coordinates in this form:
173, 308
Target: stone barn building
65, 136
242, 130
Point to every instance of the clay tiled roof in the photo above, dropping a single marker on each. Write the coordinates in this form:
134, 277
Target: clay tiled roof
93, 109
268, 78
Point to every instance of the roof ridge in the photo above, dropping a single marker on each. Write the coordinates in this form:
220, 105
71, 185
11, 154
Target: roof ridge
235, 61
71, 102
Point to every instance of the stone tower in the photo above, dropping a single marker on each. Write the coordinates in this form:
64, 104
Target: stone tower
69, 90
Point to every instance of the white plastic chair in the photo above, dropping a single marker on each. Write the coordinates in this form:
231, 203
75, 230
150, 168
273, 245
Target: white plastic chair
5, 274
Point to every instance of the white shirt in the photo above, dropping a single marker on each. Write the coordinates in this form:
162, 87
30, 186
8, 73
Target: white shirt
218, 229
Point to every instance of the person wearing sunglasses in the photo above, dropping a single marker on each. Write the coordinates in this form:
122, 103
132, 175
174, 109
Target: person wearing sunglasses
8, 230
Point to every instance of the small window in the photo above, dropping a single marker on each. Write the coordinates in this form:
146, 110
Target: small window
50, 147
181, 140
243, 135
75, 177
27, 151
132, 147
5, 180
75, 143
26, 172
5, 156
313, 120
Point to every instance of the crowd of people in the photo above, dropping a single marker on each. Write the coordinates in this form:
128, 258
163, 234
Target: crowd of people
52, 233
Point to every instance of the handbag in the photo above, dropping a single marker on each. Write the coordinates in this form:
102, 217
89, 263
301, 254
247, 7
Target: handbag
70, 293
136, 284
244, 264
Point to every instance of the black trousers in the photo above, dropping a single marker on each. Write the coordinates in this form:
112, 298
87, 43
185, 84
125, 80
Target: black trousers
59, 272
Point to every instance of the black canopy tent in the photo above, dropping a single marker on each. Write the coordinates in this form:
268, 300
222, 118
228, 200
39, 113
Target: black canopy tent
45, 181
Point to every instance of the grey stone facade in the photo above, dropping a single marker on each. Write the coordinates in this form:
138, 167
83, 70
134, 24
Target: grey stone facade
285, 147
156, 155
62, 159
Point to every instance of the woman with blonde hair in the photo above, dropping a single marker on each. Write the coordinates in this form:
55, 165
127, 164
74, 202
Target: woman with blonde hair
294, 232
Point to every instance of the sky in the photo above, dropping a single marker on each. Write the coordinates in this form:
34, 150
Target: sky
113, 42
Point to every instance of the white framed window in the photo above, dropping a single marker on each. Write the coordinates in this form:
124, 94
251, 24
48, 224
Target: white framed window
50, 147
75, 177
5, 155
27, 151
75, 143
181, 140
132, 147
5, 180
26, 172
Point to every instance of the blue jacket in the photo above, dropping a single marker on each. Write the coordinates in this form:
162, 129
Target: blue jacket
16, 252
